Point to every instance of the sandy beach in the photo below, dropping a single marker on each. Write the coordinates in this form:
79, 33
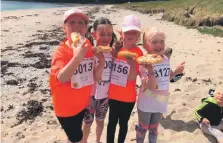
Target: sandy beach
28, 38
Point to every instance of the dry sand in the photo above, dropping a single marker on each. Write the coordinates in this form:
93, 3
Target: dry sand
28, 37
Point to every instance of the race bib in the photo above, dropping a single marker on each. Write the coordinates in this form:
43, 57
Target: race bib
162, 74
107, 68
83, 76
120, 72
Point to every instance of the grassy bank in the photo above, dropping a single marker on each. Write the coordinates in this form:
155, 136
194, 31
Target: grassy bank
211, 30
191, 13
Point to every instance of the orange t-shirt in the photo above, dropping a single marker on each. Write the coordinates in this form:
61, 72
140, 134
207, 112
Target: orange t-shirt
67, 101
128, 93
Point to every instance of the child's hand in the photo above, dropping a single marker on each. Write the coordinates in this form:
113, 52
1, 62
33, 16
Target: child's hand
180, 68
117, 45
81, 50
131, 61
98, 54
149, 68
206, 121
132, 71
150, 83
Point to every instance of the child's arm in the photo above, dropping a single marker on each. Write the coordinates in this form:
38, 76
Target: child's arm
151, 82
99, 69
116, 47
133, 68
66, 72
148, 78
198, 111
172, 74
179, 69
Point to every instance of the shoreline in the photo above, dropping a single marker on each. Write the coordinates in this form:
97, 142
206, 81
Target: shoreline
51, 5
29, 37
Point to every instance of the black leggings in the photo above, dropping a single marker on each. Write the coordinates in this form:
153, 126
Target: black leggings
118, 112
72, 126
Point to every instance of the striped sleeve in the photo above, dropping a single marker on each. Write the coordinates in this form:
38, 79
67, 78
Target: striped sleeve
198, 109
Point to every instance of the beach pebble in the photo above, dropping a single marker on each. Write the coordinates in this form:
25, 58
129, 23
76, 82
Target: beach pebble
52, 122
2, 108
12, 82
200, 41
177, 89
194, 80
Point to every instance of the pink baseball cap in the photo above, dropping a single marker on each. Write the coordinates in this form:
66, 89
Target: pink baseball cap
131, 22
75, 11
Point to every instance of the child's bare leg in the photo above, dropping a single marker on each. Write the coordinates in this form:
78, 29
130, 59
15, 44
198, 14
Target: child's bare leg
99, 130
86, 131
88, 119
101, 111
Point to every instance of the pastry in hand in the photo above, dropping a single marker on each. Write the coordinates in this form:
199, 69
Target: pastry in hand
75, 37
149, 59
104, 49
127, 54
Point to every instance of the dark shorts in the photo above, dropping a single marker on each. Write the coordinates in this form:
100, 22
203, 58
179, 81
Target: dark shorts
73, 126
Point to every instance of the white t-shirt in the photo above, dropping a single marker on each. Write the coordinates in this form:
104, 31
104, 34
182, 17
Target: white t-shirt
156, 100
100, 88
